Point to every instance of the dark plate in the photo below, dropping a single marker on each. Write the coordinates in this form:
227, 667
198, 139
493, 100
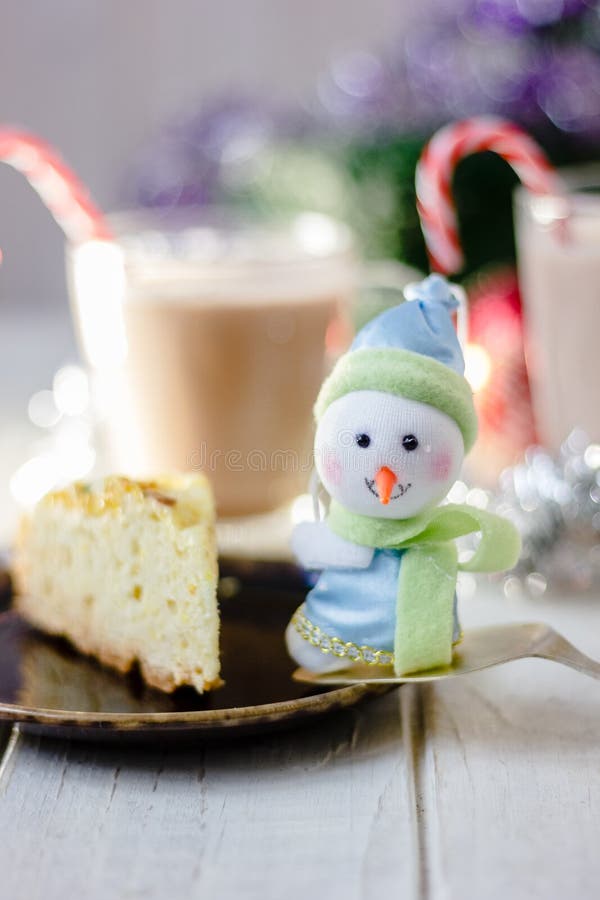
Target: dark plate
49, 687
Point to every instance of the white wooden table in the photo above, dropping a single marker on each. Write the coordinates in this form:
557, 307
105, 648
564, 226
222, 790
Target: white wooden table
483, 787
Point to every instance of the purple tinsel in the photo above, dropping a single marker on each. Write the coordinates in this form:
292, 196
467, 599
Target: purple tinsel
520, 16
460, 58
185, 165
468, 57
568, 90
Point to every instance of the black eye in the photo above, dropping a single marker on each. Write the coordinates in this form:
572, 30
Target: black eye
363, 440
409, 442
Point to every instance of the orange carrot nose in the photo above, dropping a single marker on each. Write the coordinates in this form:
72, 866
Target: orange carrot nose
385, 481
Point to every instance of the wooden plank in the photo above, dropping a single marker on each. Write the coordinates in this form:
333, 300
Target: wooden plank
330, 808
511, 776
5, 732
487, 786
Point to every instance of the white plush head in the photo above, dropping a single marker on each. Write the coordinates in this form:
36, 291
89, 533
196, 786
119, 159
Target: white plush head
384, 456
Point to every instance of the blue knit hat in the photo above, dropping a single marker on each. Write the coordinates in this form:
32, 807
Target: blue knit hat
423, 325
412, 351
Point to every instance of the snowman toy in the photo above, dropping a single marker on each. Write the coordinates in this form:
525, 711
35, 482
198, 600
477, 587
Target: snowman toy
394, 420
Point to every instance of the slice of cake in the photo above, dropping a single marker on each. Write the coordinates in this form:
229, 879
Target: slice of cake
127, 571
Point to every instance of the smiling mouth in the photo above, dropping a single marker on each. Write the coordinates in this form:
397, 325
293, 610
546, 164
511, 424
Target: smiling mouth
400, 490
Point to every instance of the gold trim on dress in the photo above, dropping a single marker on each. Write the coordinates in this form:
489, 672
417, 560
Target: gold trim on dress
334, 645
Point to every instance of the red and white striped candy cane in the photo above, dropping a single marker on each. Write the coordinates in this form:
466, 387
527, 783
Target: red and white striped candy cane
59, 188
436, 168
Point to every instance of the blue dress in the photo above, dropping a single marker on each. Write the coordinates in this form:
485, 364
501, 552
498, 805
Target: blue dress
359, 605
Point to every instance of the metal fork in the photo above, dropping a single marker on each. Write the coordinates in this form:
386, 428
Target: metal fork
480, 648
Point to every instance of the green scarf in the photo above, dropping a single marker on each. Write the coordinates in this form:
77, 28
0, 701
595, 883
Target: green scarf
427, 582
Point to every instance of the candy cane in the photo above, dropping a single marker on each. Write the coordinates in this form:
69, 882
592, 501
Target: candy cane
59, 188
436, 168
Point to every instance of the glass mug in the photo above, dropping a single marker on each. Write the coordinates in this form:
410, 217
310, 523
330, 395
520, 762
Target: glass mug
207, 343
559, 275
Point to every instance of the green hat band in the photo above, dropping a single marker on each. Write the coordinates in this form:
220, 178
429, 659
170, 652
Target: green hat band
405, 374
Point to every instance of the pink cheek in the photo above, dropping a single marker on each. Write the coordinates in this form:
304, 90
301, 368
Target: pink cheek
441, 465
332, 468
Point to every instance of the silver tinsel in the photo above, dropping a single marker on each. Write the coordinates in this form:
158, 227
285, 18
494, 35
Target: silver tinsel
555, 504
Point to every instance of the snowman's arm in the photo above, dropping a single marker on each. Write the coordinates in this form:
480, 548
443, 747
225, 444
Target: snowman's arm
317, 547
